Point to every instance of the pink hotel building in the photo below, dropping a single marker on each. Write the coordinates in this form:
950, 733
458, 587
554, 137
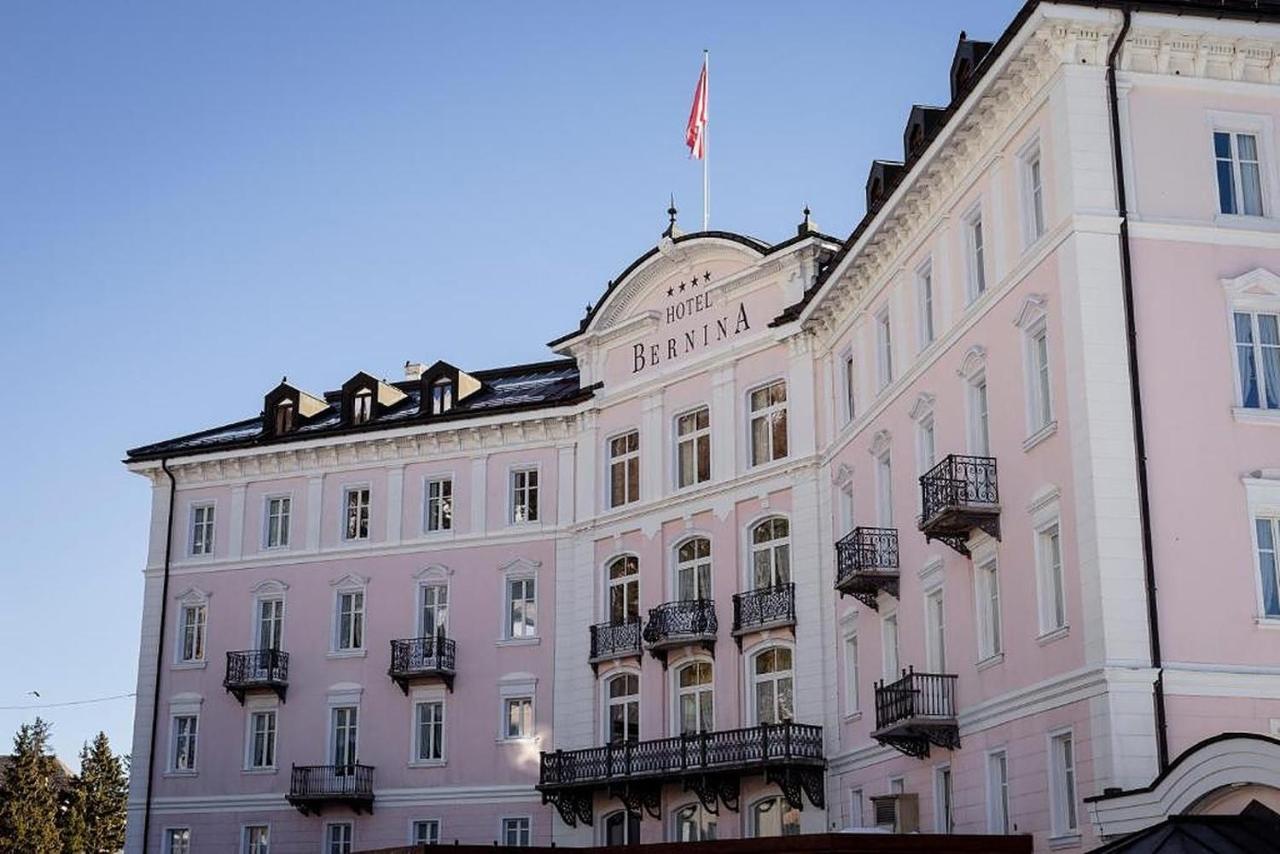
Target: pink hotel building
967, 522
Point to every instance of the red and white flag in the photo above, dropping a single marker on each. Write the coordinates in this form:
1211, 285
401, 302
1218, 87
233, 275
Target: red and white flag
695, 135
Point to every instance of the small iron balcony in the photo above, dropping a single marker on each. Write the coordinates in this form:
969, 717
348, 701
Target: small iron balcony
867, 563
710, 763
917, 710
957, 495
413, 659
673, 624
257, 670
312, 787
614, 640
765, 608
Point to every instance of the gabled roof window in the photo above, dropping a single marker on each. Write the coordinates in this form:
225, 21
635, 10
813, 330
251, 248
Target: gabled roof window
443, 387
285, 409
365, 398
441, 396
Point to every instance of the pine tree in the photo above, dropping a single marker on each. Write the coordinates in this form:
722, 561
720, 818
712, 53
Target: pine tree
99, 801
29, 794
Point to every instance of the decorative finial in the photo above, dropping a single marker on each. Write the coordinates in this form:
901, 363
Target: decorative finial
807, 226
672, 230
284, 380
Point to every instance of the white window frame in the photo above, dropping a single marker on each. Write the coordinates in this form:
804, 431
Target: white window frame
944, 792
1050, 580
247, 845
935, 635
774, 548
433, 834
608, 702
884, 348
349, 700
346, 586
265, 592
185, 707
517, 687
702, 820
205, 546
857, 808
169, 847
1253, 293
253, 711
678, 693
754, 681
521, 825
890, 630
621, 465
1064, 788
849, 385
999, 818
926, 304
752, 818
349, 843
846, 506
1263, 128
926, 432
433, 696
366, 506
990, 623
198, 601
976, 249
437, 512
978, 410
699, 438
1262, 493
528, 629
527, 490
769, 413
884, 488
1032, 185
432, 580
852, 695
285, 517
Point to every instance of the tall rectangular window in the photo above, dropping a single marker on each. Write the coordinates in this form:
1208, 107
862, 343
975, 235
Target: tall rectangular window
1062, 771
979, 418
440, 504
997, 792
192, 632
1038, 386
177, 840
429, 738
851, 674
433, 618
976, 256
942, 799
524, 496
884, 348
1268, 534
1053, 605
518, 717
345, 734
693, 447
1239, 173
848, 386
1258, 359
426, 832
987, 581
522, 608
884, 490
926, 443
202, 529
270, 626
257, 839
924, 304
889, 647
516, 832
357, 510
1033, 195
769, 423
855, 808
846, 507
279, 509
935, 632
339, 838
262, 739
624, 469
350, 620
185, 732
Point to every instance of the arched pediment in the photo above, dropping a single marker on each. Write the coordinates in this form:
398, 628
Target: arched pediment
923, 406
880, 443
975, 362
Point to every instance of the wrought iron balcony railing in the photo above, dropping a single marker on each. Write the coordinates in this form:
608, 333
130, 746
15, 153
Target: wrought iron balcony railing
710, 763
311, 787
765, 608
917, 710
257, 670
423, 658
614, 640
959, 494
867, 563
689, 621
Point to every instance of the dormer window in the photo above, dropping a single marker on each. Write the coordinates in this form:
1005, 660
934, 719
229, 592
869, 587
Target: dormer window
441, 396
284, 417
362, 406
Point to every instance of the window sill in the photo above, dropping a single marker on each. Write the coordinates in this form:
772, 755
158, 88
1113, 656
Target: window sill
190, 665
1246, 221
852, 717
274, 549
1067, 841
426, 763
1053, 635
990, 661
516, 742
260, 772
192, 773
347, 653
1272, 623
518, 641
1249, 415
1040, 435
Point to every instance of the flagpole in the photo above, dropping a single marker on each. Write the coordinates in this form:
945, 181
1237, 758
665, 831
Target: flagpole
706, 151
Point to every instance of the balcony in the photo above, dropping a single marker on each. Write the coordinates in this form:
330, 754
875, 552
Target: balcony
916, 711
766, 608
710, 764
313, 787
257, 670
414, 659
614, 640
675, 624
867, 564
958, 495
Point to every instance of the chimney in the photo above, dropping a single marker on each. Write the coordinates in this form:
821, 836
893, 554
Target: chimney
414, 370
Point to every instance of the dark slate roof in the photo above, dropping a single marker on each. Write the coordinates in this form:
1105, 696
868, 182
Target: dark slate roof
511, 389
1254, 831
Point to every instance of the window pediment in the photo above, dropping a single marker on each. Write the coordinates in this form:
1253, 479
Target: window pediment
880, 443
520, 566
268, 586
974, 362
922, 407
1258, 288
434, 570
351, 581
1032, 311
193, 596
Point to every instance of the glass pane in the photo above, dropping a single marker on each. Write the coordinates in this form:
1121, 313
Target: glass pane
1250, 190
704, 458
780, 435
759, 441
1267, 567
1222, 145
1226, 193
764, 703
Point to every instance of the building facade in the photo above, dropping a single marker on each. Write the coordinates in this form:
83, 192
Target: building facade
967, 522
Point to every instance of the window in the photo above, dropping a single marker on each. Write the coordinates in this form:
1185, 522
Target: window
350, 620
889, 643
1053, 606
440, 504
1033, 196
855, 808
429, 734
1239, 173
997, 792
441, 396
515, 831
345, 731
362, 406
774, 688
774, 817
851, 674
769, 423
771, 553
624, 469
849, 386
976, 256
694, 824
884, 489
1258, 359
270, 625
846, 506
622, 828
926, 443
935, 632
1062, 785
339, 838
519, 717
284, 417
944, 820
924, 305
279, 508
262, 739
524, 496
884, 348
693, 447
624, 708
184, 742
192, 633
433, 612
177, 840
695, 698
979, 436
426, 832
257, 839
1039, 397
522, 608
1268, 534
202, 529
988, 596
693, 570
624, 590
357, 503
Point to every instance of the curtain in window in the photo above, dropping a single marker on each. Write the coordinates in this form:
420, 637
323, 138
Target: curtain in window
1269, 338
1267, 566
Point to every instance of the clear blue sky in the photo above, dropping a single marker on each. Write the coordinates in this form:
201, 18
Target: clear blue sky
198, 198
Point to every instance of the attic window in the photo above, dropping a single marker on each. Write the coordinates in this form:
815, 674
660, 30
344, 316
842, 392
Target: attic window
441, 396
362, 406
284, 417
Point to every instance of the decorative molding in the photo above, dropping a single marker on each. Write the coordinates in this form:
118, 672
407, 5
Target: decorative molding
974, 363
520, 566
434, 570
268, 586
1033, 309
882, 441
193, 596
922, 406
350, 580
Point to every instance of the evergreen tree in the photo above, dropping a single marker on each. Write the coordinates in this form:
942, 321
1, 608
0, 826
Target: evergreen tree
29, 793
96, 819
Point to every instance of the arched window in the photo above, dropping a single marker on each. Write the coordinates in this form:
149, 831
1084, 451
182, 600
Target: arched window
622, 828
772, 683
693, 569
695, 695
441, 396
694, 824
771, 553
624, 708
624, 590
362, 406
774, 817
284, 417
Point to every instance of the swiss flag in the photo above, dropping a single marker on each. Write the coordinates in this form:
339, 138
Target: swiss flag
695, 135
